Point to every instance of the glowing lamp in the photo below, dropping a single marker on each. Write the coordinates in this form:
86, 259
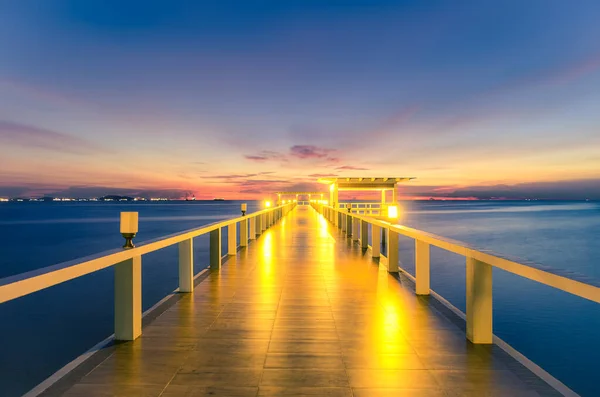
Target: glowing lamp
267, 204
129, 227
392, 211
244, 208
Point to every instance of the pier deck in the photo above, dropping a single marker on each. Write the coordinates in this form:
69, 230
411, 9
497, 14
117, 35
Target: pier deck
302, 311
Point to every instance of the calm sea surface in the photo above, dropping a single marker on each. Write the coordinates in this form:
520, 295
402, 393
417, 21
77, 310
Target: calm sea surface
42, 332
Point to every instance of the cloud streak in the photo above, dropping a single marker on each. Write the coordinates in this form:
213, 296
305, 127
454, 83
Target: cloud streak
33, 137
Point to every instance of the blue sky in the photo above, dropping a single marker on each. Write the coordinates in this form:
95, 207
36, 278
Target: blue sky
467, 96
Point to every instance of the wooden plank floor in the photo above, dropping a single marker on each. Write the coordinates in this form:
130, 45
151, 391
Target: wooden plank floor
303, 312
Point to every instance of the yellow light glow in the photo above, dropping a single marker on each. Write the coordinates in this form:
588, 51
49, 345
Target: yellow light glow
267, 204
392, 212
331, 187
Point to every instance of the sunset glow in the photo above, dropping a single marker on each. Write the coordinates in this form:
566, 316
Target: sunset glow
476, 100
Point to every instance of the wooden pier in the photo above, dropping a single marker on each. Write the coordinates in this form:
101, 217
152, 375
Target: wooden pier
302, 311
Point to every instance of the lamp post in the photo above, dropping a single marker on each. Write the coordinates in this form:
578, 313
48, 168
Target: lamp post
244, 208
129, 228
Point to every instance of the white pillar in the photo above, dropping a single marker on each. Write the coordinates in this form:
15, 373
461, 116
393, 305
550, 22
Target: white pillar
422, 267
128, 299
252, 228
244, 232
348, 225
375, 241
186, 266
355, 229
215, 249
479, 302
231, 239
392, 251
364, 234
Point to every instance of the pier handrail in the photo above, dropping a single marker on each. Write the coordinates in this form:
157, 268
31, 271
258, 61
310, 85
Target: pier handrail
479, 263
127, 264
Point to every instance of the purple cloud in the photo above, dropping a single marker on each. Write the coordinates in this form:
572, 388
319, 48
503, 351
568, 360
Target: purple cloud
266, 155
310, 151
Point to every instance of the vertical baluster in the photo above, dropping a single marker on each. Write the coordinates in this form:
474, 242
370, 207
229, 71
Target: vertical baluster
244, 232
376, 241
479, 301
215, 249
186, 266
392, 251
364, 234
232, 239
422, 265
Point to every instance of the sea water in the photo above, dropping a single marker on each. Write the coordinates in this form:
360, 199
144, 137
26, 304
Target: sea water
41, 332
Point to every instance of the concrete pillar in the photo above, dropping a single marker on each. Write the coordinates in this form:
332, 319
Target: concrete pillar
375, 241
128, 299
215, 249
252, 233
392, 251
263, 222
422, 251
186, 266
394, 196
383, 196
244, 232
364, 234
355, 229
231, 239
479, 302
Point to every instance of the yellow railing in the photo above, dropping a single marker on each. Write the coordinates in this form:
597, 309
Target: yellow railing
127, 263
479, 264
363, 208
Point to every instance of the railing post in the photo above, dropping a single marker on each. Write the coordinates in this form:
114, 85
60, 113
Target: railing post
258, 228
349, 226
364, 234
232, 239
375, 241
244, 232
355, 229
215, 249
252, 233
263, 221
479, 302
128, 299
186, 265
392, 251
422, 267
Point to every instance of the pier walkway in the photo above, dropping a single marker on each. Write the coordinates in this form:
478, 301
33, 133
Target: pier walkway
301, 311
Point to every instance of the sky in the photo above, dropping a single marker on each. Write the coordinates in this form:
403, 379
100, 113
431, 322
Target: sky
238, 99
